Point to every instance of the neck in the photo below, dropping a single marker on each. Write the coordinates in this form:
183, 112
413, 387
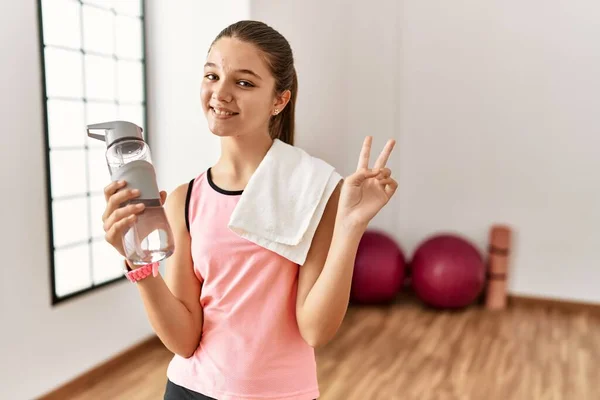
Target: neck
240, 156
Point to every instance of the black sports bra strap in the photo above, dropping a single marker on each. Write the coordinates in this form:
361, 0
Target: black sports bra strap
187, 204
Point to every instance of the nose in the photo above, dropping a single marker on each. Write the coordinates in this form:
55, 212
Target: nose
222, 93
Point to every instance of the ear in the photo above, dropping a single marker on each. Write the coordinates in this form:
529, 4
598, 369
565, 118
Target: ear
281, 100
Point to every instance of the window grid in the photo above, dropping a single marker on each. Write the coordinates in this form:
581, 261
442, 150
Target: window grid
85, 100
91, 53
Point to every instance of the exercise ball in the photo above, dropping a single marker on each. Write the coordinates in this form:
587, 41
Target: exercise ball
447, 272
378, 269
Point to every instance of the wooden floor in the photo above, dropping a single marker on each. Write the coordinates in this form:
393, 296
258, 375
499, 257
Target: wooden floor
405, 351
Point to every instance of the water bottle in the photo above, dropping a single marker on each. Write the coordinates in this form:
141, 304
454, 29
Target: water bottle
150, 238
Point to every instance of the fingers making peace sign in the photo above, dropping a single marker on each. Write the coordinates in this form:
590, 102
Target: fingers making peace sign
368, 190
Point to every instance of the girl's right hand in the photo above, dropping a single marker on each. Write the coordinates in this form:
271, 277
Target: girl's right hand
118, 219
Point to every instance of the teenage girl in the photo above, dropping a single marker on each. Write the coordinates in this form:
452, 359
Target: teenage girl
241, 320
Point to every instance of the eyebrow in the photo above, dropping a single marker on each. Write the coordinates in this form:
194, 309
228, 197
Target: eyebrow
242, 71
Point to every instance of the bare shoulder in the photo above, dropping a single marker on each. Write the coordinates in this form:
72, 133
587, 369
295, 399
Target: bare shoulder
175, 205
331, 208
323, 235
178, 194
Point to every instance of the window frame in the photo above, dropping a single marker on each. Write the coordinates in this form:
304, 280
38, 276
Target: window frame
93, 287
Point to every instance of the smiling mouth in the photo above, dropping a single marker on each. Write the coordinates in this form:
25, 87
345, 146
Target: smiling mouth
223, 113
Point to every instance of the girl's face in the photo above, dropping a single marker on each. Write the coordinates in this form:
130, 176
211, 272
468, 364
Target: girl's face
238, 90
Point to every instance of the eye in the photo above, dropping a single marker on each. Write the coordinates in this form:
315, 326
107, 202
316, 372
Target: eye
245, 84
211, 77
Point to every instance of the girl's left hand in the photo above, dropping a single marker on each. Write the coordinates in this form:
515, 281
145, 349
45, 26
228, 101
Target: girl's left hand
366, 191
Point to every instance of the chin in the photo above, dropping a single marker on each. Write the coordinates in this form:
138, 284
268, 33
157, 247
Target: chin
221, 131
221, 128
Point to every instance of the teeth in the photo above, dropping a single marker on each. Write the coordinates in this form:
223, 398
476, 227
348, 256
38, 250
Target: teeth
221, 112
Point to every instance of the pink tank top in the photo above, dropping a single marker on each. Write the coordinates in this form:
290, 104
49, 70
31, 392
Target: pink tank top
251, 346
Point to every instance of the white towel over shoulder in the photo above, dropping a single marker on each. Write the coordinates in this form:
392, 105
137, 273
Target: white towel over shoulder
284, 201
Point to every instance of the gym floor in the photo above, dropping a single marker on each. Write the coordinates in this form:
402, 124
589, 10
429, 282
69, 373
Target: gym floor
406, 351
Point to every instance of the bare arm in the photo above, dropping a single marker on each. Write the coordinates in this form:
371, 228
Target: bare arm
173, 304
325, 279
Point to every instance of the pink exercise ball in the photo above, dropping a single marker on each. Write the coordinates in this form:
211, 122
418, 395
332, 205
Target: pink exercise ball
447, 272
378, 269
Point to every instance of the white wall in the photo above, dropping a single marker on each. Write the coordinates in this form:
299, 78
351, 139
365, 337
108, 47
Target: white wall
42, 346
492, 106
320, 112
180, 33
499, 122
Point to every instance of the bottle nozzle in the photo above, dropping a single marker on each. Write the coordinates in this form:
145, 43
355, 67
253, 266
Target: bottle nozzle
96, 136
114, 130
104, 125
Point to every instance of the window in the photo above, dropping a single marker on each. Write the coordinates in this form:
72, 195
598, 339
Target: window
93, 64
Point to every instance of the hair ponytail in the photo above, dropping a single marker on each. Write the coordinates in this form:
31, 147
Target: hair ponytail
282, 125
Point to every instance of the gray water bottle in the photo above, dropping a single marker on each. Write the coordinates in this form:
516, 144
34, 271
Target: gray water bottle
150, 238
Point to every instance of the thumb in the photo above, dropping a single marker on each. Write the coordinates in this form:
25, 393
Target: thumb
357, 178
163, 197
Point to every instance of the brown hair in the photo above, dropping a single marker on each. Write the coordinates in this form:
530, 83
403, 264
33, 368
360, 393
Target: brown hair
279, 58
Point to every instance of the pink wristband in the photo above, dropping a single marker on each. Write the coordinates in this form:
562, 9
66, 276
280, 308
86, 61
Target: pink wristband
142, 272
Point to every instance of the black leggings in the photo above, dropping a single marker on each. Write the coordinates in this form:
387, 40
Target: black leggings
176, 392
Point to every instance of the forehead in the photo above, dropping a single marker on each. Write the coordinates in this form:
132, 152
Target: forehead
233, 54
